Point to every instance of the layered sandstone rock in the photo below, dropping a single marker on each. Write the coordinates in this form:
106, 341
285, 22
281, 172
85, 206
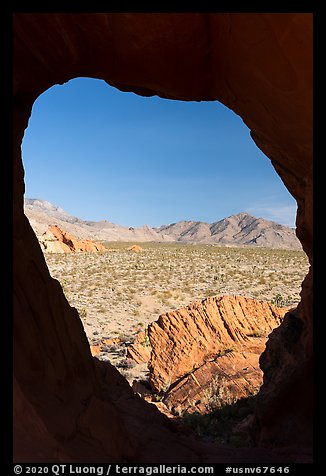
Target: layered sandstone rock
184, 339
205, 353
218, 382
140, 349
260, 66
56, 240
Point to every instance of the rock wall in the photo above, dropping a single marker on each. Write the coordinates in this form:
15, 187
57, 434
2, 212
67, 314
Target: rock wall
259, 65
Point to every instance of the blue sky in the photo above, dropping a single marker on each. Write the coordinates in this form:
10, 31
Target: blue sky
101, 154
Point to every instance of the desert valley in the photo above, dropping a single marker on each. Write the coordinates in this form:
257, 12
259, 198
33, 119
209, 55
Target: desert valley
183, 311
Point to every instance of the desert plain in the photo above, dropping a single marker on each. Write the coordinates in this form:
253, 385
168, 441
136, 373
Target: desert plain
120, 291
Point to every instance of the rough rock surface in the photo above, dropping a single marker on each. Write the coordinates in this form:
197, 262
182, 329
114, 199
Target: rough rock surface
260, 66
184, 339
56, 240
140, 349
218, 382
207, 351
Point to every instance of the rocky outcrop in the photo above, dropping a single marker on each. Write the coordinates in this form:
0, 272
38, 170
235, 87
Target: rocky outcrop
140, 349
56, 240
260, 66
135, 248
206, 353
219, 382
184, 339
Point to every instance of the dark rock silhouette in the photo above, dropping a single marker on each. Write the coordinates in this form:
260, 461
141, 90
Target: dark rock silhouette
68, 406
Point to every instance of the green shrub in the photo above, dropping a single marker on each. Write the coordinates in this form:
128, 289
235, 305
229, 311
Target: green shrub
279, 300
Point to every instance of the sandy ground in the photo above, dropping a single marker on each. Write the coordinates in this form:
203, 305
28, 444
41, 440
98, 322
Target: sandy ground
119, 292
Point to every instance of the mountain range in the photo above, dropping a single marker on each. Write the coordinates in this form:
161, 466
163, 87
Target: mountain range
241, 229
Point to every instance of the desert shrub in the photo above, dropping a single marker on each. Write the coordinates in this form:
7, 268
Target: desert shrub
146, 342
126, 364
279, 300
114, 348
125, 338
82, 313
105, 348
218, 425
227, 350
218, 394
121, 351
256, 333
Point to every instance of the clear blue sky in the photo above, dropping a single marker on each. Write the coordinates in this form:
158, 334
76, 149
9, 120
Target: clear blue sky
101, 154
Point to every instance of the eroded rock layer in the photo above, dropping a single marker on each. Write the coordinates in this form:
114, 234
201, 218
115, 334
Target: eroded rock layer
57, 240
260, 66
206, 354
184, 339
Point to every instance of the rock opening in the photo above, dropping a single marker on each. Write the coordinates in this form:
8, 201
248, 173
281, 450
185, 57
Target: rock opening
69, 407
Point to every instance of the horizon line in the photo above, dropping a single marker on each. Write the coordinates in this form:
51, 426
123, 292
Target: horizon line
164, 224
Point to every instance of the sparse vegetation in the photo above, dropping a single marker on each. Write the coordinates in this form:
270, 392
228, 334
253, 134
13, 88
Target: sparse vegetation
126, 364
279, 300
217, 394
223, 414
146, 341
221, 424
257, 333
129, 290
119, 293
226, 351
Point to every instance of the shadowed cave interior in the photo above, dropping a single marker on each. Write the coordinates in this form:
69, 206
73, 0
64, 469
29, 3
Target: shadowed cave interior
67, 405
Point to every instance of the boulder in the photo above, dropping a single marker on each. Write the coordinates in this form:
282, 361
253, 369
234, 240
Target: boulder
56, 240
135, 248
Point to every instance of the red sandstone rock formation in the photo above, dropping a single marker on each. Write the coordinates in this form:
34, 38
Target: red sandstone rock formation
184, 339
140, 349
95, 350
56, 240
260, 66
222, 381
113, 341
99, 346
135, 248
209, 349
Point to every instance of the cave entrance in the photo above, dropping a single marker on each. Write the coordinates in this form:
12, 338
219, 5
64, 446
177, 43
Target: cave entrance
157, 182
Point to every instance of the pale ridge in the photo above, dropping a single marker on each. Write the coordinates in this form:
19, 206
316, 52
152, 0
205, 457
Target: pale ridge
241, 229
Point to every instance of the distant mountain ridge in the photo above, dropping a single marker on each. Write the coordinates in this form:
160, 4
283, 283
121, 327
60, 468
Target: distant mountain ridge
42, 214
241, 229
